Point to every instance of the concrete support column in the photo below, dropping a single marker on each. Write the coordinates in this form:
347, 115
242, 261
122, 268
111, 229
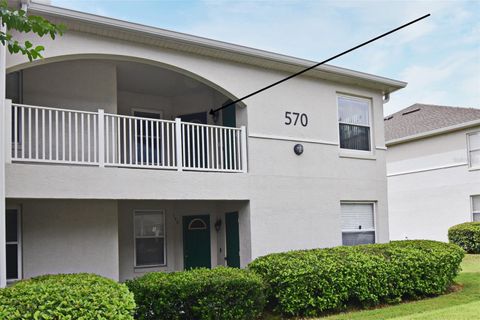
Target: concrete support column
3, 257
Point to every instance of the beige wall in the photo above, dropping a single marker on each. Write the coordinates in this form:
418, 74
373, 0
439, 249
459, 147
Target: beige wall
430, 186
69, 236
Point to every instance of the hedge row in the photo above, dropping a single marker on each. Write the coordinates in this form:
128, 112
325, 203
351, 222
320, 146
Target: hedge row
220, 293
62, 297
312, 282
466, 235
296, 283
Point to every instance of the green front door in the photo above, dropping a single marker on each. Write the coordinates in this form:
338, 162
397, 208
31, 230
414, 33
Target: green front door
233, 239
229, 118
196, 242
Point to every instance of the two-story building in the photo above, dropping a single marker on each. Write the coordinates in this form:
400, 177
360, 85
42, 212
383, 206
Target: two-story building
433, 163
115, 166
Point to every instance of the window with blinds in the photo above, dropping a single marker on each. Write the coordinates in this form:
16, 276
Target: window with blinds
358, 223
476, 208
474, 149
354, 123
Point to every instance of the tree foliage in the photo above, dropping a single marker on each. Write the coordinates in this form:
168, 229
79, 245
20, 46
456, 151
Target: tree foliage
19, 21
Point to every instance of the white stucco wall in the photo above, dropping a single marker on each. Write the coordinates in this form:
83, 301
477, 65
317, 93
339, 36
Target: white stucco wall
79, 85
294, 201
430, 186
69, 236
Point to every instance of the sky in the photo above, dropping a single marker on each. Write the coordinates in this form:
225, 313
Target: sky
439, 57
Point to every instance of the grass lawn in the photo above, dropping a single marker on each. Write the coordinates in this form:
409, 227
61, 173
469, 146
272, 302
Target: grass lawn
460, 305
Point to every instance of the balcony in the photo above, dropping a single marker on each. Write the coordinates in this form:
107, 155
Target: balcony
72, 137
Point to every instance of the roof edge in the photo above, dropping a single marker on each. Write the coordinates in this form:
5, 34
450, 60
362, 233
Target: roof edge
432, 133
184, 38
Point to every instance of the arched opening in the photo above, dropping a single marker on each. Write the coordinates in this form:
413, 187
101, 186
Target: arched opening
121, 112
119, 85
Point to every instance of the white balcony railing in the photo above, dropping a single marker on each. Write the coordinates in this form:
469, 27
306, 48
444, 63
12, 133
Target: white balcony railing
52, 135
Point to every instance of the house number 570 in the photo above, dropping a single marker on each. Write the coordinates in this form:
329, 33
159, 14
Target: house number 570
293, 118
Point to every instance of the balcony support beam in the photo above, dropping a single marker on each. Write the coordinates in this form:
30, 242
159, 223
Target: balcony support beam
178, 143
101, 138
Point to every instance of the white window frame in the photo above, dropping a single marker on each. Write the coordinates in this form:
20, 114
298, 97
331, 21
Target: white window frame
474, 212
470, 150
135, 212
146, 110
368, 100
374, 207
18, 243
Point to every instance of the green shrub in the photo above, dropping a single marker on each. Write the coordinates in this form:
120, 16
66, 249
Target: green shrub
66, 296
220, 293
466, 235
313, 282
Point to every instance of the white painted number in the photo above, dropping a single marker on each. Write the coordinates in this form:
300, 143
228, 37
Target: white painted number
293, 117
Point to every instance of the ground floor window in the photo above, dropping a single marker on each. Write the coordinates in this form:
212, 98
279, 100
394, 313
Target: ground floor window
13, 241
358, 223
149, 238
476, 207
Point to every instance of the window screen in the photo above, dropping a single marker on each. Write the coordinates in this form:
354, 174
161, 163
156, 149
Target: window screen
149, 238
358, 224
476, 208
354, 123
474, 149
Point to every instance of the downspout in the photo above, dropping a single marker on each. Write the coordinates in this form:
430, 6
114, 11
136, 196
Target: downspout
386, 97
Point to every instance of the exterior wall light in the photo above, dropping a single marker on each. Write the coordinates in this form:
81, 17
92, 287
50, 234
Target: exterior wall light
298, 149
218, 225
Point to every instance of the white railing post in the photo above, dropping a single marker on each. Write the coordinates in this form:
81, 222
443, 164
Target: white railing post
244, 148
101, 138
8, 131
178, 143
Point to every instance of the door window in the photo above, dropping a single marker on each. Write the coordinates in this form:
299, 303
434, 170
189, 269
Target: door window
147, 137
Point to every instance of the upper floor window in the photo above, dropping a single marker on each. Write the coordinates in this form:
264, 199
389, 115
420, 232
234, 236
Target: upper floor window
474, 149
358, 223
476, 208
354, 123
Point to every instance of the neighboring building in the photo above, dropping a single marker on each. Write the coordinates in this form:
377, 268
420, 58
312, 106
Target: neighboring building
115, 166
433, 168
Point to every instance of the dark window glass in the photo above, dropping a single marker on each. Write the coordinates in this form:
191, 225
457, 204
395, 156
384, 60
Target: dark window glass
150, 251
13, 84
197, 224
354, 238
12, 261
354, 137
12, 225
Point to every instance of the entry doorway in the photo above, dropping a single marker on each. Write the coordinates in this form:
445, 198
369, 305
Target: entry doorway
13, 244
196, 242
191, 135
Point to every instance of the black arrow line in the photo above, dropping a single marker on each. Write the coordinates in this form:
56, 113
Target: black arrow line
213, 111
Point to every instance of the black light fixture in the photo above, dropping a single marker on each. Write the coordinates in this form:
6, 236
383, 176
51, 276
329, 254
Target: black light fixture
298, 149
218, 225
